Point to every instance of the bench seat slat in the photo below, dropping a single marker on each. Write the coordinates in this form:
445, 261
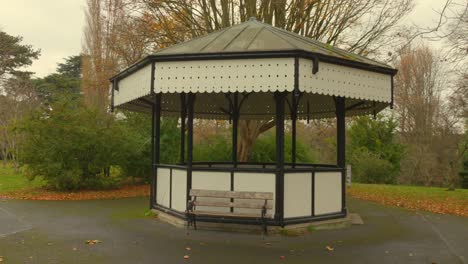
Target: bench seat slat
232, 194
235, 204
229, 214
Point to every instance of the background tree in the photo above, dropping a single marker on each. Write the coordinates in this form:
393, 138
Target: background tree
373, 150
18, 99
17, 95
66, 81
14, 55
361, 26
100, 60
427, 125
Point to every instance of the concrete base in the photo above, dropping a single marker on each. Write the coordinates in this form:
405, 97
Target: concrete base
294, 229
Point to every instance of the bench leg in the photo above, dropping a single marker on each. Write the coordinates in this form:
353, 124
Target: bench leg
264, 224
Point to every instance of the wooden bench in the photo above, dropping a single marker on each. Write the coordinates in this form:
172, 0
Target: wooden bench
262, 201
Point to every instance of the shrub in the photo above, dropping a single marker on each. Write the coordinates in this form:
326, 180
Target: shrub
73, 146
264, 150
369, 168
374, 139
137, 128
217, 148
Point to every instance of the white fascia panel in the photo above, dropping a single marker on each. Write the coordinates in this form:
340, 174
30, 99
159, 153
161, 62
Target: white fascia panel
239, 75
134, 86
336, 80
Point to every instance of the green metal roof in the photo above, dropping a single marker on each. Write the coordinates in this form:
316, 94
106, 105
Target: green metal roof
255, 36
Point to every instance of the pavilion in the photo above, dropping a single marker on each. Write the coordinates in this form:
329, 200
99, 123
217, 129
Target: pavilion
253, 71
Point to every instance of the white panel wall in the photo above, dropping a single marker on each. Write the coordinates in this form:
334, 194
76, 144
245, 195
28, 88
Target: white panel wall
134, 86
162, 185
297, 194
259, 75
179, 190
209, 180
255, 182
332, 79
327, 192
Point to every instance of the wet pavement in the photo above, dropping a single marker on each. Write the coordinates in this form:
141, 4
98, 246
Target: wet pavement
56, 231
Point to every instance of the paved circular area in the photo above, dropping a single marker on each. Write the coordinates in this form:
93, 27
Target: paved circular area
56, 231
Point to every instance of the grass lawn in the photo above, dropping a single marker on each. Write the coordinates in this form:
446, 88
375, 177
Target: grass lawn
433, 199
16, 186
12, 181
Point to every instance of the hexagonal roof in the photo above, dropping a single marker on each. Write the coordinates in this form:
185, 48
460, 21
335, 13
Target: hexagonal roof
255, 36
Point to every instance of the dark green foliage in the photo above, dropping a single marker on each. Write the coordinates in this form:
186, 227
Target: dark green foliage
71, 67
463, 149
137, 127
54, 86
368, 167
217, 148
170, 140
372, 151
66, 82
264, 150
73, 146
14, 55
464, 175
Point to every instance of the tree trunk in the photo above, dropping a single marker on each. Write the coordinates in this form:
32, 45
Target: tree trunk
249, 132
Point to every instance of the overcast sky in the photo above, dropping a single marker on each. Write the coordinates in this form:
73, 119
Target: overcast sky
56, 26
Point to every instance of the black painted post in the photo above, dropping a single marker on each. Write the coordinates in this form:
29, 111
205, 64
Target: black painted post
235, 125
190, 116
114, 86
153, 129
340, 132
153, 168
294, 130
157, 140
183, 117
293, 109
340, 145
279, 205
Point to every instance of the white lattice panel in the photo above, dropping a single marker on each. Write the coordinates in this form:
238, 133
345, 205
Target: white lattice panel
297, 194
134, 86
209, 180
336, 80
327, 192
163, 187
179, 190
246, 75
254, 182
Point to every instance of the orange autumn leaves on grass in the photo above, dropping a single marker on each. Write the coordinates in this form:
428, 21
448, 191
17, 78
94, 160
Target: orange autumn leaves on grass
436, 200
42, 194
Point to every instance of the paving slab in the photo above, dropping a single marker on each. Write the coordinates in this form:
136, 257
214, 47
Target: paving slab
11, 224
58, 231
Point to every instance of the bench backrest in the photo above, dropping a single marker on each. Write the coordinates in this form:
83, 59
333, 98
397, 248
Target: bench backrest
232, 194
253, 200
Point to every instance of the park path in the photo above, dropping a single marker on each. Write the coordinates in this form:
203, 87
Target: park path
56, 231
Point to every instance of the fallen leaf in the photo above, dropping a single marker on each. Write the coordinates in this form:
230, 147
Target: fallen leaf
282, 257
92, 241
329, 248
186, 257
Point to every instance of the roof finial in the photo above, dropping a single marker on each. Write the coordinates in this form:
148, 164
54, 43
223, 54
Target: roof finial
252, 18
